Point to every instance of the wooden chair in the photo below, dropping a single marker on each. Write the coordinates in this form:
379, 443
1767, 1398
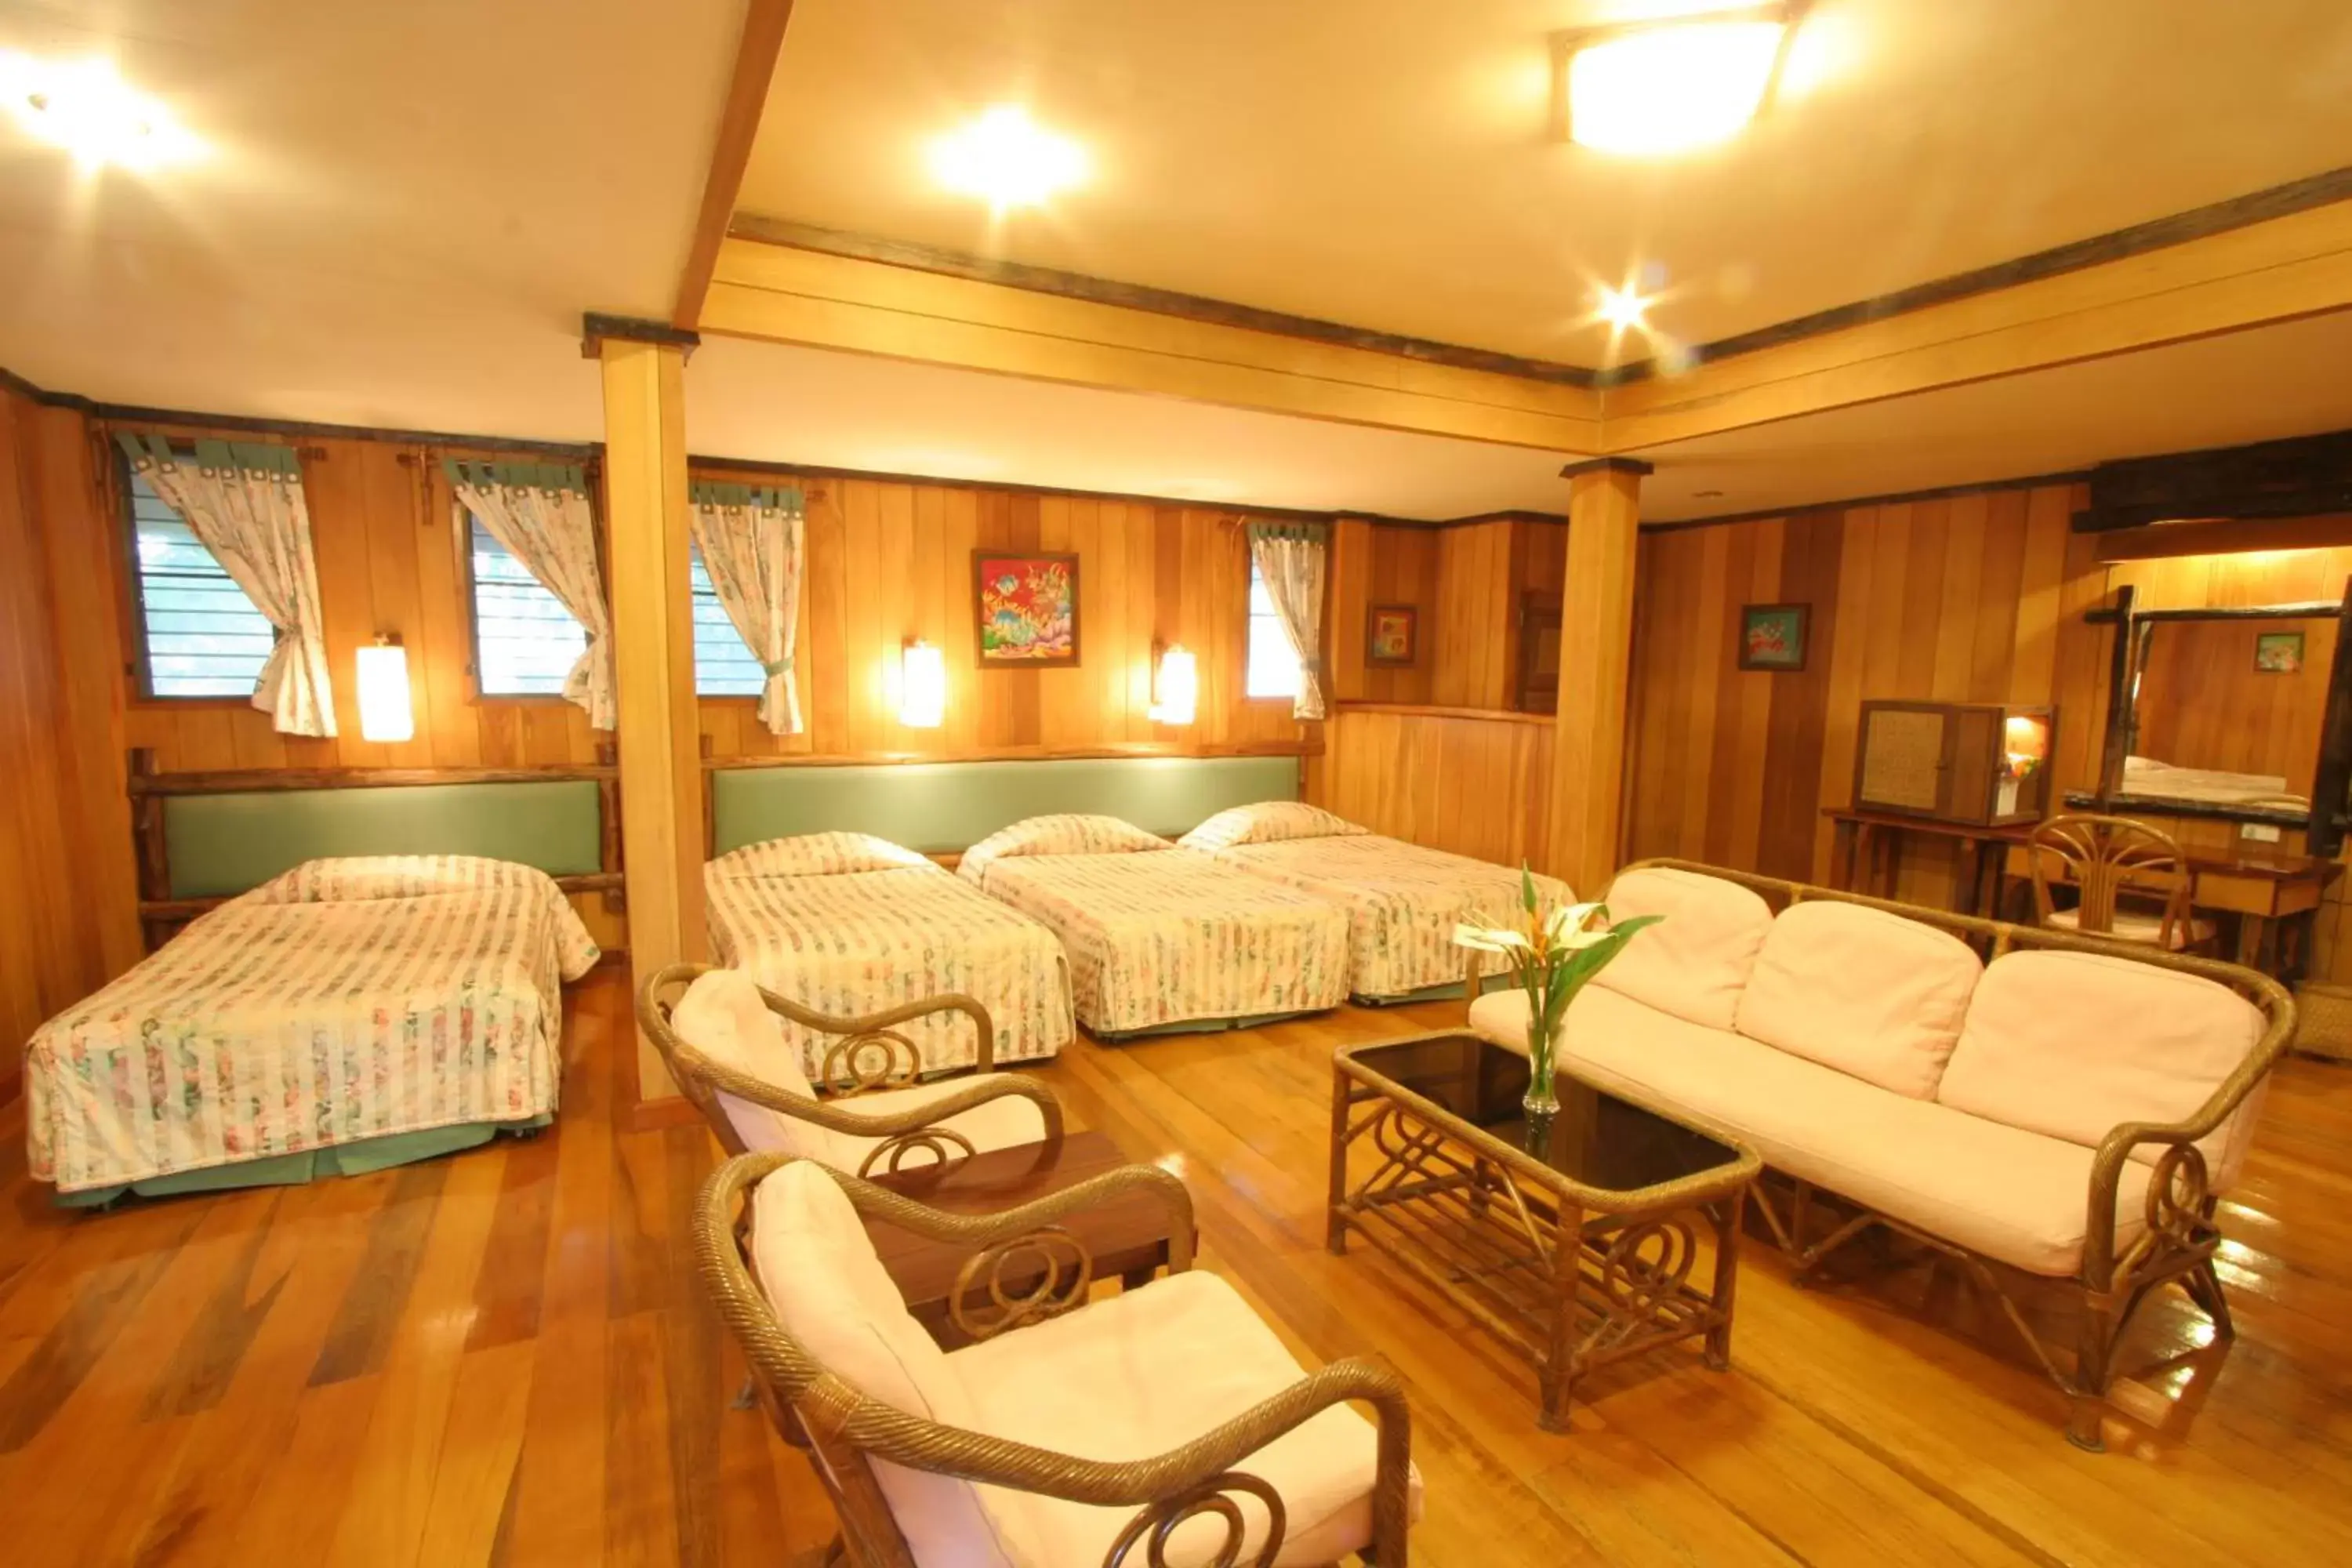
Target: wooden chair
976, 1455
866, 1113
2131, 882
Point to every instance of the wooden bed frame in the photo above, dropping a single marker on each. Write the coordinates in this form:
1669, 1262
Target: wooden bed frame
161, 915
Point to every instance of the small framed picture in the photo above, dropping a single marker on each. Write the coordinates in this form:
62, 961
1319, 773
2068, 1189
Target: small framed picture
1773, 636
1026, 608
1392, 635
2278, 653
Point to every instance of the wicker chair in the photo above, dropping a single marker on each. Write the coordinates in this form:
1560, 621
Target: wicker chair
2132, 881
866, 1113
1253, 1461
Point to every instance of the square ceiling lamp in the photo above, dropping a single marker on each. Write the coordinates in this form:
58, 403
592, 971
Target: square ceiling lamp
1657, 88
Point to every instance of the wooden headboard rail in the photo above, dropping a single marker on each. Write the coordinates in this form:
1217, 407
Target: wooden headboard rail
159, 913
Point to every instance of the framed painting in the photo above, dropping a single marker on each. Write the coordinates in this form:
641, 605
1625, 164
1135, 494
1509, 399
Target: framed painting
1025, 605
1773, 636
2278, 653
1392, 634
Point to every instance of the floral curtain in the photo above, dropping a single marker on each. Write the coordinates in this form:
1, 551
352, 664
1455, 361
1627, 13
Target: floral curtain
244, 502
540, 513
752, 542
1289, 556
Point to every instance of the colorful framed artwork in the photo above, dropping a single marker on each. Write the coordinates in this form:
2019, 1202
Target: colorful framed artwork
2278, 653
1773, 636
1025, 605
1392, 635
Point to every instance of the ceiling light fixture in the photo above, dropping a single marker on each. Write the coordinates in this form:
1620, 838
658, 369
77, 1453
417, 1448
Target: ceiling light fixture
1622, 308
1007, 160
86, 108
1669, 85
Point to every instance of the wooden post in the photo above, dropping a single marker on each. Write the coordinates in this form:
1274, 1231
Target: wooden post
1596, 650
648, 537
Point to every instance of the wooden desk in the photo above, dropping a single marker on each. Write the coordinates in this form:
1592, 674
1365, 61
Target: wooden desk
2269, 893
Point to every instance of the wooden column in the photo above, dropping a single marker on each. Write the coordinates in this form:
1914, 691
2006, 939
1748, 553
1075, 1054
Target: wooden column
1596, 646
648, 537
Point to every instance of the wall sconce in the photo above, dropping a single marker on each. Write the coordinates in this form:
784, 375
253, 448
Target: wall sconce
1175, 686
385, 711
922, 687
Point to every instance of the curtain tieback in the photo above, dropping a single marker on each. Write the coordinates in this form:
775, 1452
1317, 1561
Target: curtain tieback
780, 667
1311, 665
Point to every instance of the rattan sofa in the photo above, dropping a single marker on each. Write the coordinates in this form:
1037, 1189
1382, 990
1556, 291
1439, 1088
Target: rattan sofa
1163, 1425
2041, 1107
722, 1044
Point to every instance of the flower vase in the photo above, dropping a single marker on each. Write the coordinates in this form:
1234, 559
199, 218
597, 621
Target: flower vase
1541, 1099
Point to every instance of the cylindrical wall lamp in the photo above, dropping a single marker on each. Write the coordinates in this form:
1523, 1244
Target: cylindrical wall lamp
1175, 686
385, 711
923, 686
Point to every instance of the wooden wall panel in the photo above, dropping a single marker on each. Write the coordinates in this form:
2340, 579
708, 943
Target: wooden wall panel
890, 560
70, 920
1474, 784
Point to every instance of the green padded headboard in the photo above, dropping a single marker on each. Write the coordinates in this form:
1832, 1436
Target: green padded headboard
939, 807
224, 843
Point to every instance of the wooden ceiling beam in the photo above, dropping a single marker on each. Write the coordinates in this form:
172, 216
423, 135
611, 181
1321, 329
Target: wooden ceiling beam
738, 127
2282, 269
787, 294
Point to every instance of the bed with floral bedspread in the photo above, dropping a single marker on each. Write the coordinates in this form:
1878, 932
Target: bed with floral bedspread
851, 925
346, 1001
1403, 899
1160, 937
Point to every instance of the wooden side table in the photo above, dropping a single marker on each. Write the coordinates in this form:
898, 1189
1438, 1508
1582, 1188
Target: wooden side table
1128, 1238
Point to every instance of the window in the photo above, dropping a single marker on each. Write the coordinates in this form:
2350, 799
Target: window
525, 641
203, 637
1272, 664
724, 663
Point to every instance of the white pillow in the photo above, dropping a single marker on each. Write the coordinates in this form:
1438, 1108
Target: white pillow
819, 1271
1861, 990
345, 878
1694, 963
1268, 822
1062, 833
816, 855
722, 1015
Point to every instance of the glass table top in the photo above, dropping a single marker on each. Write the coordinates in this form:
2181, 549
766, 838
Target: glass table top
1595, 1139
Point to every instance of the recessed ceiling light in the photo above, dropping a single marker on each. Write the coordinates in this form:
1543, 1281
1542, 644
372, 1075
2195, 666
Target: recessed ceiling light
1622, 308
1007, 160
91, 112
1672, 85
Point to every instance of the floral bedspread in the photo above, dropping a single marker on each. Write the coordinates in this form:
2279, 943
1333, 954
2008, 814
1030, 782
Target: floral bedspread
852, 941
1403, 901
1167, 936
346, 1000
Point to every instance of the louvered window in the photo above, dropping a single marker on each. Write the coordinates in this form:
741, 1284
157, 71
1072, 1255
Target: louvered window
202, 635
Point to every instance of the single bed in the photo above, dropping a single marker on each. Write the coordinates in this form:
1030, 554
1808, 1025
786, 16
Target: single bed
1403, 899
348, 1014
850, 924
1161, 938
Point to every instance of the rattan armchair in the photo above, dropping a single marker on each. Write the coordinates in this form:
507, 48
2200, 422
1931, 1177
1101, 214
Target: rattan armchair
871, 1061
1196, 1484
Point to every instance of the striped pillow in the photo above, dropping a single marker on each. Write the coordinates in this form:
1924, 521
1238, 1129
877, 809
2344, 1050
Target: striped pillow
1268, 822
816, 855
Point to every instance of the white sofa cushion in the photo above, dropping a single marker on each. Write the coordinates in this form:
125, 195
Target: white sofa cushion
2075, 1044
831, 1292
1695, 962
1999, 1190
1133, 1375
1861, 990
722, 1015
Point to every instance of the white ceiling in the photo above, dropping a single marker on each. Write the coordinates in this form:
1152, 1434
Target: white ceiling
407, 206
1384, 162
410, 205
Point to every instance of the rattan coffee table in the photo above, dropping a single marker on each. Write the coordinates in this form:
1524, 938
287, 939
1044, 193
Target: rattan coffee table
1473, 1199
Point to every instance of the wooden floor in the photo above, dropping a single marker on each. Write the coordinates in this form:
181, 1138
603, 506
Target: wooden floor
497, 1358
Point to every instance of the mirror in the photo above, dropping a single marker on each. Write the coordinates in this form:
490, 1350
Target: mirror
2228, 708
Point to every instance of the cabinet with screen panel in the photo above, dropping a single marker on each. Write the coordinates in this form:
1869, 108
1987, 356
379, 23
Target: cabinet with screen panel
1979, 763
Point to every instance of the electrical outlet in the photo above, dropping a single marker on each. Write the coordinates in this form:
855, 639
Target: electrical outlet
2259, 832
